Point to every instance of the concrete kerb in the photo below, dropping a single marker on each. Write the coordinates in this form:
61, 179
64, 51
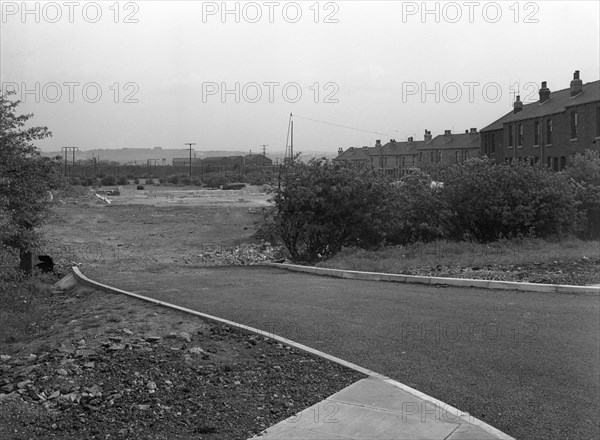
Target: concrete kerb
80, 278
459, 282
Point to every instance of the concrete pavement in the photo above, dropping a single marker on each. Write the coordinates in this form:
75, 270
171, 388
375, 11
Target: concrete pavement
375, 409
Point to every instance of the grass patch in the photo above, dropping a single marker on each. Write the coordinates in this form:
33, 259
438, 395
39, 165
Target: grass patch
403, 259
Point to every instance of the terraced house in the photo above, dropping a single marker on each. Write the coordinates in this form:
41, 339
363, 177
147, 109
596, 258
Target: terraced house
397, 158
449, 148
551, 130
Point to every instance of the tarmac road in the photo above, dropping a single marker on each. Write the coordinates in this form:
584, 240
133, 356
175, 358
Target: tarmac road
527, 363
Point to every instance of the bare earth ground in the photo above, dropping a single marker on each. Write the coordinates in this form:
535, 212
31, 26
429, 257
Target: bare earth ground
96, 365
93, 365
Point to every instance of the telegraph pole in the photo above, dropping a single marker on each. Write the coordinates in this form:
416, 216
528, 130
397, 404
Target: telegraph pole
66, 150
189, 144
264, 151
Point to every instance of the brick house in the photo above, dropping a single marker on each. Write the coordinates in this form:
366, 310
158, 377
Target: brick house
551, 130
448, 148
357, 156
394, 158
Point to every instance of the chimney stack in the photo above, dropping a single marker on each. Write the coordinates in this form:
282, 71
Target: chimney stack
378, 143
340, 151
518, 105
576, 84
410, 139
447, 132
544, 92
473, 130
427, 136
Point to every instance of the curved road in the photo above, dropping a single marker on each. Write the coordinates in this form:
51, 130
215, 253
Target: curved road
527, 363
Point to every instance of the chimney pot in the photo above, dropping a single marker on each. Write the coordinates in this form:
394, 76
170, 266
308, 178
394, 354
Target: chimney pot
544, 92
473, 130
518, 105
447, 132
576, 84
427, 135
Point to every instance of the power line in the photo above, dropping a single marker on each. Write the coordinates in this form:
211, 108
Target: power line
343, 126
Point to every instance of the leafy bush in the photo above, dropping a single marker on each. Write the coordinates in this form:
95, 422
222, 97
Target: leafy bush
322, 206
419, 210
487, 201
150, 181
123, 181
585, 172
108, 181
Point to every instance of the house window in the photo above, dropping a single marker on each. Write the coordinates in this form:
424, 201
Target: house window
573, 125
598, 121
486, 141
555, 163
563, 162
511, 135
549, 132
536, 135
520, 135
457, 156
493, 143
549, 162
421, 156
432, 156
466, 154
403, 162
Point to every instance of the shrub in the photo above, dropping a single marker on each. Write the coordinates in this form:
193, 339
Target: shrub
419, 210
488, 201
322, 206
108, 180
123, 181
150, 181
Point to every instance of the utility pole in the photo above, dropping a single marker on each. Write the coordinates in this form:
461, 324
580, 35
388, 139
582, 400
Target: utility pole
66, 150
189, 144
264, 151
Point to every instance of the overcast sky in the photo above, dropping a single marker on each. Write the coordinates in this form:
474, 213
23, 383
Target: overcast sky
153, 73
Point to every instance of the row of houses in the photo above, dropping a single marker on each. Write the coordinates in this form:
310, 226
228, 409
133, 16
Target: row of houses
226, 163
551, 130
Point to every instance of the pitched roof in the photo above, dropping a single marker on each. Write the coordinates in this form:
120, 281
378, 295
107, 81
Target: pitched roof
394, 148
452, 141
355, 154
559, 101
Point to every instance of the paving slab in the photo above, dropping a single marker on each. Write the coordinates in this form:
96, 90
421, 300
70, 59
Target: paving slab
373, 409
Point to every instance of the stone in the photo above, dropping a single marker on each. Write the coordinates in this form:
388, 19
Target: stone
62, 372
115, 338
197, 350
115, 347
5, 357
54, 395
153, 338
127, 331
24, 383
185, 337
151, 386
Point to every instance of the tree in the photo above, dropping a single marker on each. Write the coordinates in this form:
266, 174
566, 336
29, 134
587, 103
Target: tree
25, 179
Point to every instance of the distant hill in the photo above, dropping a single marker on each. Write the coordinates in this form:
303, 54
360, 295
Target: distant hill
142, 155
